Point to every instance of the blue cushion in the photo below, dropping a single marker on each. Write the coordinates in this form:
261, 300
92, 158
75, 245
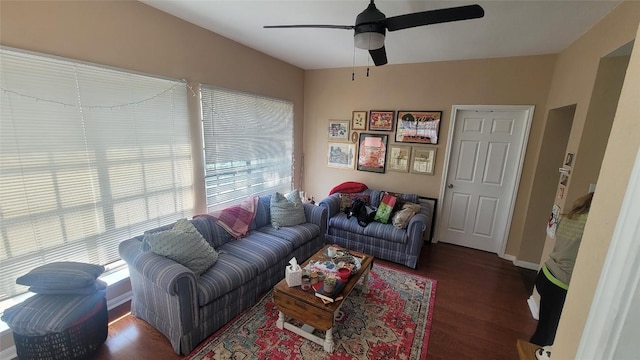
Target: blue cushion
62, 275
87, 290
45, 314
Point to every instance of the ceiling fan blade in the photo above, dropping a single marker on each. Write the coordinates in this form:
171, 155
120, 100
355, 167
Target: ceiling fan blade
379, 56
434, 17
344, 27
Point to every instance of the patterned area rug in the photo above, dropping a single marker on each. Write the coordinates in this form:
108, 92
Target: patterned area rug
391, 322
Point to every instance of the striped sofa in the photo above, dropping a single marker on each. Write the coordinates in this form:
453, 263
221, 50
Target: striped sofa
383, 241
187, 309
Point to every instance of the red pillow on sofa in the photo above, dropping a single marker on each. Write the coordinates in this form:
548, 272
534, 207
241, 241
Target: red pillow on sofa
348, 187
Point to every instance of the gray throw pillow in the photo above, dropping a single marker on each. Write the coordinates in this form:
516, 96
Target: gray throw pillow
287, 210
61, 275
183, 244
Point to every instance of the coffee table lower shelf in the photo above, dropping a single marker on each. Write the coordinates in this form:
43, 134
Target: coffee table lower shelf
306, 331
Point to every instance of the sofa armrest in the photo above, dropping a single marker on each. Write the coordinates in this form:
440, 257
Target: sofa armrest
332, 204
416, 227
316, 215
170, 277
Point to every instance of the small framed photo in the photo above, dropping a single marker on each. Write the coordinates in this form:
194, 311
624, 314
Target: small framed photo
372, 152
339, 130
569, 160
399, 157
341, 155
359, 120
381, 120
354, 137
420, 127
423, 161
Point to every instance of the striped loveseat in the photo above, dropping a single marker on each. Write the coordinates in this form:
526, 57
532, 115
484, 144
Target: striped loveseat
187, 309
383, 241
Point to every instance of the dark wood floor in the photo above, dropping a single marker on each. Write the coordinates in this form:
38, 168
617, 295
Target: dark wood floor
480, 310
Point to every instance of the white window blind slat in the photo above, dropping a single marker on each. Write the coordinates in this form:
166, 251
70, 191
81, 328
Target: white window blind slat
248, 142
89, 157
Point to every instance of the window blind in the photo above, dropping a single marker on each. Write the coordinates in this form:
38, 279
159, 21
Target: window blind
248, 145
89, 156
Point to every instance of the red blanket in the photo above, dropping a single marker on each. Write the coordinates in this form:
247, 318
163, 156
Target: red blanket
236, 219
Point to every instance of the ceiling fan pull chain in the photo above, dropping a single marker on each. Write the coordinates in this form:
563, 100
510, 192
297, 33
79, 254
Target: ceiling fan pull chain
353, 66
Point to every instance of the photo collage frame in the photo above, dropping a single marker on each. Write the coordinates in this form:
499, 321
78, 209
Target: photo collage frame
385, 140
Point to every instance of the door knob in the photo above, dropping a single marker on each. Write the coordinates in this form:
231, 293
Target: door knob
450, 186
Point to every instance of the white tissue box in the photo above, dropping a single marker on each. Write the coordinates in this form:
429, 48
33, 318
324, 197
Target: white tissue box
294, 278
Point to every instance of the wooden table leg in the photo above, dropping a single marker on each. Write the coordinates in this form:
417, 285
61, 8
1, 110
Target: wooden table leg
280, 321
365, 282
328, 341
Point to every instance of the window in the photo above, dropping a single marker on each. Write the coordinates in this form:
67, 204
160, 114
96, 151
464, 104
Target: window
89, 156
248, 145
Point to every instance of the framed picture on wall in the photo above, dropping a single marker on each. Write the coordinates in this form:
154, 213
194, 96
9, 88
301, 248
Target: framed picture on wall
359, 120
399, 157
339, 130
341, 155
381, 120
420, 127
372, 152
423, 161
569, 160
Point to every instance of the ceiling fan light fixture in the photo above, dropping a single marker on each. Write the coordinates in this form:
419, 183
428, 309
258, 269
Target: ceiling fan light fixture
369, 40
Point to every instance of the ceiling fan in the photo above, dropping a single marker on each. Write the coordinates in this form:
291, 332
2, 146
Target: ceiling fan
371, 25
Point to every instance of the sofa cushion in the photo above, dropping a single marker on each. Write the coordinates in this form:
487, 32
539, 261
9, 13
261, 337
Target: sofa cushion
386, 232
183, 244
347, 199
298, 235
260, 249
213, 233
263, 213
61, 275
342, 222
287, 210
227, 274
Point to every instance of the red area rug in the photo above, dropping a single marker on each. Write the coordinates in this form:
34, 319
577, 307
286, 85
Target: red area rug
392, 321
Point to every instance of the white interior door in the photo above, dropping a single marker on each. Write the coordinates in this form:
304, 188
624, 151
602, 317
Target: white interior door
484, 163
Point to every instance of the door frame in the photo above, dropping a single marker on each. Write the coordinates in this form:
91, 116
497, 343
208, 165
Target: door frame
528, 109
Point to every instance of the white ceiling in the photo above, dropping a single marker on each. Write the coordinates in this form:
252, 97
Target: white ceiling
509, 28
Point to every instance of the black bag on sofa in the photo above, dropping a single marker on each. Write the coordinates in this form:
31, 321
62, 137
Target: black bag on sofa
363, 212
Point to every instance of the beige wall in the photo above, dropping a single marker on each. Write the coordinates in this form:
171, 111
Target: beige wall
330, 94
134, 36
620, 27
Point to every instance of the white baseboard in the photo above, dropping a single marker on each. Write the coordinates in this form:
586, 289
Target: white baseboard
520, 263
526, 265
119, 300
8, 353
533, 307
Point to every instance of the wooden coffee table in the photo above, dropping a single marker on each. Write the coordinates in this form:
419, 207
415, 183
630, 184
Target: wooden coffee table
304, 306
